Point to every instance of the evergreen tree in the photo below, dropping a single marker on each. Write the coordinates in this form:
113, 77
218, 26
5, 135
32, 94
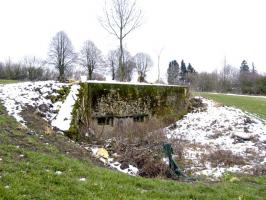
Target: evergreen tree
244, 67
183, 73
173, 73
190, 69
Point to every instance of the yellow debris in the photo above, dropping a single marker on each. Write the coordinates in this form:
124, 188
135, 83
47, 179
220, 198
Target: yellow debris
102, 153
234, 179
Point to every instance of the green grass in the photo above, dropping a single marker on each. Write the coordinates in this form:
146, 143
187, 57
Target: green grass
8, 81
255, 105
33, 175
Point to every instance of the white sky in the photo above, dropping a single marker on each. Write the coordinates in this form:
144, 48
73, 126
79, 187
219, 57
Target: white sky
202, 32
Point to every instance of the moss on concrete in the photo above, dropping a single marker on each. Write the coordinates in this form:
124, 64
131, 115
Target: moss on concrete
61, 94
95, 100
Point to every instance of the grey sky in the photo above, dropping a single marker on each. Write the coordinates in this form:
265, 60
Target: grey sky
202, 32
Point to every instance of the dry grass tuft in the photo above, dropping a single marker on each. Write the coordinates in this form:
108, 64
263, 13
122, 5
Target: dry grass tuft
224, 158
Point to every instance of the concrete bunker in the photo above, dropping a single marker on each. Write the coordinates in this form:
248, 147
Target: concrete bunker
110, 104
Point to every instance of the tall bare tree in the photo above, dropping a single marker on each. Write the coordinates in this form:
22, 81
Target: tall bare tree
120, 19
61, 54
90, 57
143, 62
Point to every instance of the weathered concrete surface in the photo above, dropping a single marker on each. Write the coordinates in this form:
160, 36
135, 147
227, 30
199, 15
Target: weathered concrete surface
107, 102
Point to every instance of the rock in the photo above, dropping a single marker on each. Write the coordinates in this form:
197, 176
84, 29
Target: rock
43, 108
241, 137
247, 120
173, 126
34, 99
31, 132
124, 165
213, 122
246, 130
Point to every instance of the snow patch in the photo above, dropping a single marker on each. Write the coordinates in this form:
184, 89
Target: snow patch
64, 117
220, 128
18, 96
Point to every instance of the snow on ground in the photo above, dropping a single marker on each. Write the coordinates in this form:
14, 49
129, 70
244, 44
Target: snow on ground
18, 96
133, 83
202, 133
220, 128
63, 118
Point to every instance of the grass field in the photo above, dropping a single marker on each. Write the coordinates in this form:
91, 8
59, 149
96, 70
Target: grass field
8, 81
30, 166
255, 105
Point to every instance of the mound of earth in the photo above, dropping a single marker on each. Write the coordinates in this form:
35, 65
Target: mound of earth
220, 139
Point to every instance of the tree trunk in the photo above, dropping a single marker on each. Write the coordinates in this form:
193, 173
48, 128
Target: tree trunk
121, 57
113, 70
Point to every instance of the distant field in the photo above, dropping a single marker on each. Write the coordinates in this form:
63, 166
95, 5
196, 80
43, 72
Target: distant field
255, 105
8, 81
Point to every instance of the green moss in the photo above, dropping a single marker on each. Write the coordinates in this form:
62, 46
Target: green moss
80, 113
61, 94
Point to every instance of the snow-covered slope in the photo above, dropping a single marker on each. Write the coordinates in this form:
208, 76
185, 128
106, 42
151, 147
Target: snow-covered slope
16, 97
221, 128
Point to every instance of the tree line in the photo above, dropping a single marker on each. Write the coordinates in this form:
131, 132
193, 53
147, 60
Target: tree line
64, 58
30, 68
120, 18
242, 80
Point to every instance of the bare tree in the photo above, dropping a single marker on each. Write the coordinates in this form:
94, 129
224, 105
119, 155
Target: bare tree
143, 62
112, 62
90, 57
34, 67
61, 54
120, 19
125, 73
228, 78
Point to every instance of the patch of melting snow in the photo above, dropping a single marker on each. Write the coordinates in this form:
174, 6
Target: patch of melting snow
221, 128
217, 172
18, 96
63, 119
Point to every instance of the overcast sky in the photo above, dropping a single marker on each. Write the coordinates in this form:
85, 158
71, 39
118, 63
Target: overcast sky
201, 32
